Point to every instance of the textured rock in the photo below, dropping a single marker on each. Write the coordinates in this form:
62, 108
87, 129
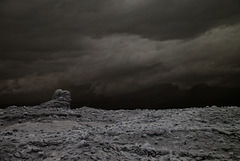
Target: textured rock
61, 98
63, 95
95, 134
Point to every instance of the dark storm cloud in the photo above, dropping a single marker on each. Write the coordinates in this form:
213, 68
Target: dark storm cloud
53, 24
113, 47
123, 63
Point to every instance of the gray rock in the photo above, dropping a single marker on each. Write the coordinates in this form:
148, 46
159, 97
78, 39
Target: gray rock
61, 98
62, 95
83, 143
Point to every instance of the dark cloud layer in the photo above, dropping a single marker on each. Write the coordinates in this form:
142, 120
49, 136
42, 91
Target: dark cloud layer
129, 52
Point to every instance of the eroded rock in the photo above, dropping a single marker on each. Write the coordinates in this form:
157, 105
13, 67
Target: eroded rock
61, 98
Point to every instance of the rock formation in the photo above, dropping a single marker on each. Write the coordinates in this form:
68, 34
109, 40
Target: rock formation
61, 98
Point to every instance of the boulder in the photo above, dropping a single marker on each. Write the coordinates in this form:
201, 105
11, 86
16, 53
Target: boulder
62, 95
60, 98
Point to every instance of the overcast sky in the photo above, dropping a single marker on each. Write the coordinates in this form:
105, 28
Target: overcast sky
114, 49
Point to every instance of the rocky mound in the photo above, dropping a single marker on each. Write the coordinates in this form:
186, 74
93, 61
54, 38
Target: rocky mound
61, 98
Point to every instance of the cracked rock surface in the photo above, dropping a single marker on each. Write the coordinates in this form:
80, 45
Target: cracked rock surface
46, 133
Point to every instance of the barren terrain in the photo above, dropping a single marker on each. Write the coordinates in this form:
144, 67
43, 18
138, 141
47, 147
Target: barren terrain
40, 133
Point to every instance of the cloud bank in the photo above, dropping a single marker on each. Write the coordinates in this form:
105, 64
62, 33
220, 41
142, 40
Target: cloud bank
115, 48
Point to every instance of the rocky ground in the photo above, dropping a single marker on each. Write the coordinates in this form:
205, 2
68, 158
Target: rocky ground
40, 133
53, 131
